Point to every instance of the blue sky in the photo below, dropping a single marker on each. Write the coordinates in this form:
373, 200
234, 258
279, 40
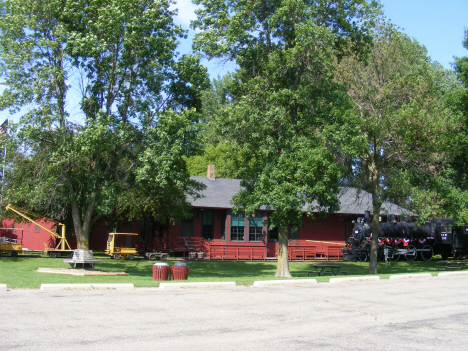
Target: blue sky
436, 24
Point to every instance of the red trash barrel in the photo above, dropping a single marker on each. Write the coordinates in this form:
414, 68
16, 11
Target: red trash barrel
161, 271
180, 271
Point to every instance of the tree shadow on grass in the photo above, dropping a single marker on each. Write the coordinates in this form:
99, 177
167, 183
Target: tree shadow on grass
197, 269
240, 269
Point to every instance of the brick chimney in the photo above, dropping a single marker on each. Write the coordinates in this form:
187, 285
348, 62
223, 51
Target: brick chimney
211, 172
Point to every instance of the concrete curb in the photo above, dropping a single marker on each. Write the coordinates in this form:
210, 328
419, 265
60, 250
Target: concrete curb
60, 287
2, 287
410, 276
284, 282
353, 279
445, 274
168, 286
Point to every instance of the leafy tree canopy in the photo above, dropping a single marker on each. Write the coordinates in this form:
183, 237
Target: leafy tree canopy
286, 103
397, 97
137, 98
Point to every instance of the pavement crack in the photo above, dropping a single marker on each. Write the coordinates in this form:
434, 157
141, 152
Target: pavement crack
405, 325
351, 309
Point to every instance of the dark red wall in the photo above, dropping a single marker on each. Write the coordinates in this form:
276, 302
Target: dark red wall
331, 229
28, 237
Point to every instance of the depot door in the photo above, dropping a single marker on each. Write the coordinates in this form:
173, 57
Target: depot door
272, 242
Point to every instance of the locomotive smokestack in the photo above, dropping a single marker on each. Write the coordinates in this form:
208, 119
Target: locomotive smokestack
367, 217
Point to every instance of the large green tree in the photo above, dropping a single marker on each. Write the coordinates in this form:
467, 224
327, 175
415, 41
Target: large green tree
449, 191
288, 110
216, 102
402, 119
137, 102
459, 145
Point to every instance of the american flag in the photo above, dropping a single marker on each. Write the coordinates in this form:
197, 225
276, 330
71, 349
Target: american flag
3, 130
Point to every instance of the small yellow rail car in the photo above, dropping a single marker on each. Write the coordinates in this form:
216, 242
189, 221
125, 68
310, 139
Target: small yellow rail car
120, 252
9, 247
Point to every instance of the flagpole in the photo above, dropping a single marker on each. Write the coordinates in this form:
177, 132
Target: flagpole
4, 162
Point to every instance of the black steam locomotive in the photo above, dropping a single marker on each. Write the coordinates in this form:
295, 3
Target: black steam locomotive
405, 239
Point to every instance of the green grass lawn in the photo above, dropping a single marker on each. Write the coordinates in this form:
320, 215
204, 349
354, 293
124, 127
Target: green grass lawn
21, 272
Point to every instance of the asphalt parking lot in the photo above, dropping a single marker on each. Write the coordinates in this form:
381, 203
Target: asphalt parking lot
412, 314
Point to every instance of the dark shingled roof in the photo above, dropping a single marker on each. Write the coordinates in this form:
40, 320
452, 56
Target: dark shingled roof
219, 192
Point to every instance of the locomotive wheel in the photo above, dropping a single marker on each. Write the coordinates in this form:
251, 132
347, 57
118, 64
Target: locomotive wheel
164, 257
411, 258
152, 257
394, 257
54, 255
362, 257
380, 256
427, 253
116, 256
131, 256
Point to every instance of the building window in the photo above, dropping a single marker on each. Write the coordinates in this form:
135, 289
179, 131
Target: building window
36, 229
273, 234
256, 227
186, 228
293, 233
237, 227
207, 224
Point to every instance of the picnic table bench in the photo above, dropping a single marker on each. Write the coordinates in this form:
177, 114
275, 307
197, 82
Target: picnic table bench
326, 269
453, 265
463, 264
450, 268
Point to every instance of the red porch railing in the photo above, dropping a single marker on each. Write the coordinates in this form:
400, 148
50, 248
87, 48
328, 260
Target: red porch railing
302, 253
179, 244
237, 253
318, 251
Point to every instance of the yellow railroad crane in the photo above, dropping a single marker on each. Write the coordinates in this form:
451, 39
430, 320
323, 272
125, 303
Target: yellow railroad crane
62, 247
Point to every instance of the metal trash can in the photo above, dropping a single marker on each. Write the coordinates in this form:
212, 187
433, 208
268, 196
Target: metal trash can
180, 271
161, 271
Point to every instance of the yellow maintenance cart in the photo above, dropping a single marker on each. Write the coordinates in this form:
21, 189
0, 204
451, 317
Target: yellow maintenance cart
62, 247
9, 247
129, 252
119, 252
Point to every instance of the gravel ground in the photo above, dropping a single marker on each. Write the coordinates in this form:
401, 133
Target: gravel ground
414, 314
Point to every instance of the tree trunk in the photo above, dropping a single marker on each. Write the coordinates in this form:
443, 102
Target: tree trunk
374, 243
82, 227
282, 269
374, 180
